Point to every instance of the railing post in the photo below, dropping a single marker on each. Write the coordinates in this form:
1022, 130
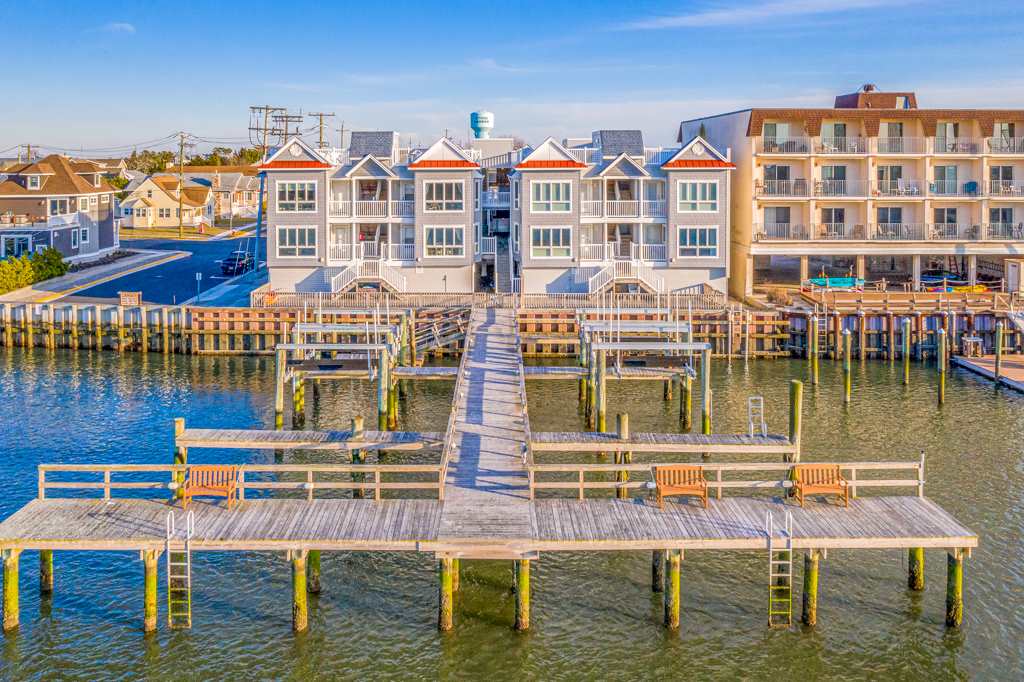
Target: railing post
796, 401
180, 457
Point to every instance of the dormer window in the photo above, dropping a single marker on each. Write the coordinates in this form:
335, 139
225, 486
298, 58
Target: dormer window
33, 182
96, 180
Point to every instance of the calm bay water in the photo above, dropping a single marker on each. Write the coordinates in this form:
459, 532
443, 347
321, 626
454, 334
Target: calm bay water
593, 614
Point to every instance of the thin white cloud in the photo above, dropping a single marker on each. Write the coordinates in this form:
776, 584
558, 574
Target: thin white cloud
117, 27
749, 13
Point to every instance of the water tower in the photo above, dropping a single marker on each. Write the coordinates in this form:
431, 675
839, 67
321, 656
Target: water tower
482, 123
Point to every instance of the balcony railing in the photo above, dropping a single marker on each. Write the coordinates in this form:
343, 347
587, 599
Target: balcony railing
590, 208
488, 246
595, 252
953, 232
898, 231
1005, 145
653, 208
623, 209
838, 231
404, 208
1014, 231
782, 188
784, 145
1005, 188
342, 252
898, 188
371, 250
902, 145
953, 188
585, 154
402, 252
496, 198
371, 209
956, 145
840, 188
339, 208
841, 145
779, 231
650, 252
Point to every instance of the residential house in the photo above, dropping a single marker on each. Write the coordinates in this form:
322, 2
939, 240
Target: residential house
874, 187
235, 188
59, 202
155, 201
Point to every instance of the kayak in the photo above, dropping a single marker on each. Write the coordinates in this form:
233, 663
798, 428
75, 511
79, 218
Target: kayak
838, 282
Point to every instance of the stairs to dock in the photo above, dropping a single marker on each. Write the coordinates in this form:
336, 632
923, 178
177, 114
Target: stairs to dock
780, 573
440, 328
503, 266
179, 571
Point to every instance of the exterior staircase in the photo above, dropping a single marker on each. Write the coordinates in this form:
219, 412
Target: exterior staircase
440, 327
626, 271
368, 271
503, 266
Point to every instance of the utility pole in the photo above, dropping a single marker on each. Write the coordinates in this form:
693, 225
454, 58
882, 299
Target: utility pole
286, 120
320, 126
181, 182
259, 125
341, 136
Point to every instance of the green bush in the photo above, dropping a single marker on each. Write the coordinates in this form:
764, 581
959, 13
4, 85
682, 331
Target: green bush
48, 263
16, 273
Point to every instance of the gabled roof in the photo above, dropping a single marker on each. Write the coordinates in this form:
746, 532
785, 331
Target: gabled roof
697, 153
443, 154
551, 155
59, 177
615, 142
379, 143
366, 166
295, 154
624, 163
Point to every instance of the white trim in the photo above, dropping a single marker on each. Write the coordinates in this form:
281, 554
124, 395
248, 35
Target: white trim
444, 227
277, 199
288, 143
679, 196
615, 161
29, 182
566, 154
444, 210
350, 174
277, 241
679, 242
74, 238
550, 182
707, 145
533, 228
83, 235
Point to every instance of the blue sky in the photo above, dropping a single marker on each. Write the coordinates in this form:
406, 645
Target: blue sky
109, 74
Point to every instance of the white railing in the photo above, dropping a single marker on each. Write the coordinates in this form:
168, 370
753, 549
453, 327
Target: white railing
494, 198
840, 188
956, 145
953, 188
650, 252
375, 269
951, 232
370, 249
902, 145
343, 252
1005, 145
899, 187
403, 208
627, 270
61, 220
402, 252
595, 252
841, 145
834, 231
783, 231
371, 209
516, 285
339, 208
489, 246
647, 275
1013, 231
657, 155
784, 145
585, 154
600, 279
623, 209
653, 208
343, 279
1005, 188
591, 208
898, 232
782, 188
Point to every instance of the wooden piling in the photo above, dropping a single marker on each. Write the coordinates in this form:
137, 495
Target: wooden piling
46, 571
30, 325
73, 328
814, 353
165, 332
810, 605
281, 365
847, 366
522, 594
658, 570
624, 457
705, 375
796, 403
97, 321
906, 351
672, 587
180, 457
591, 407
456, 574
149, 564
890, 348
392, 402
300, 602
446, 599
313, 571
143, 329
121, 343
999, 353
915, 568
686, 402
940, 362
299, 401
50, 326
11, 609
382, 390
955, 588
602, 390
667, 390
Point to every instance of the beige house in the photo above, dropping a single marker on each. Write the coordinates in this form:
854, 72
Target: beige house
155, 203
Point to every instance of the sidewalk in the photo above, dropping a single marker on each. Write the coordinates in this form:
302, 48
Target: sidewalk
233, 293
58, 287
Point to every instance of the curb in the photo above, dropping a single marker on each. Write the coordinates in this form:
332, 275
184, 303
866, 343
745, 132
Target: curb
112, 276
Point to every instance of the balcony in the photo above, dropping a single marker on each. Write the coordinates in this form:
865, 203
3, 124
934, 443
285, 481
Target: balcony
1004, 231
953, 232
841, 145
898, 188
840, 188
952, 188
585, 154
339, 208
371, 209
487, 246
651, 208
1005, 188
838, 231
590, 208
370, 250
655, 253
898, 232
495, 198
902, 145
781, 188
956, 145
623, 209
402, 252
404, 208
783, 145
1005, 145
779, 232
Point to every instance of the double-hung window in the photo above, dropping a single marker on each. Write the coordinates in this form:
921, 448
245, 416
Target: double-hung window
296, 197
444, 241
74, 239
515, 194
83, 235
296, 241
439, 197
698, 197
550, 197
698, 241
33, 182
551, 242
59, 206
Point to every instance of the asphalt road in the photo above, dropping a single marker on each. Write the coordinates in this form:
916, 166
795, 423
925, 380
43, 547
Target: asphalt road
173, 282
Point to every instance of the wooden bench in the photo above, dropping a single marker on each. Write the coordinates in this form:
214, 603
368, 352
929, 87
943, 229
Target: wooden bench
680, 479
211, 480
810, 479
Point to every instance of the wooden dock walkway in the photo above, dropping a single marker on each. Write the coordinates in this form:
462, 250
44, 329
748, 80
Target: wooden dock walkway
717, 443
1011, 368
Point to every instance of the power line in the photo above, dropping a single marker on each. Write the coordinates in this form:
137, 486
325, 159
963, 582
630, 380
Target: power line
259, 125
321, 125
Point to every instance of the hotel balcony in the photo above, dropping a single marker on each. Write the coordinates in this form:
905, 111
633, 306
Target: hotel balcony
841, 145
783, 145
371, 209
496, 198
623, 209
370, 250
952, 188
840, 188
898, 188
610, 251
902, 145
1004, 231
956, 145
780, 232
781, 188
1005, 188
1005, 145
886, 232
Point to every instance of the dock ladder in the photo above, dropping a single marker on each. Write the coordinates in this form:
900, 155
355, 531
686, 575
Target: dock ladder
179, 572
755, 416
780, 573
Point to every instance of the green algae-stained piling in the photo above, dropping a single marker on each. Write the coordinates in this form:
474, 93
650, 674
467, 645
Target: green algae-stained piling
657, 570
180, 456
812, 558
45, 571
522, 569
149, 570
446, 597
300, 601
705, 381
672, 587
905, 339
955, 588
622, 476
280, 368
941, 361
847, 366
814, 352
602, 390
11, 608
686, 402
998, 370
313, 570
915, 568
796, 403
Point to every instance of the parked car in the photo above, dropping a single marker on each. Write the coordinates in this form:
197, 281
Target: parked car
237, 263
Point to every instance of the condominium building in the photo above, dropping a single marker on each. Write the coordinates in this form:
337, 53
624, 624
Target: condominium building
873, 187
577, 216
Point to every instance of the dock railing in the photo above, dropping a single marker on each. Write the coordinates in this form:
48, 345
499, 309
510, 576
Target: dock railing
449, 432
371, 477
720, 476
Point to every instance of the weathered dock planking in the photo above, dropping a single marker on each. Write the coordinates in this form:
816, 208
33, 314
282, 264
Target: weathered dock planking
1011, 369
718, 443
254, 439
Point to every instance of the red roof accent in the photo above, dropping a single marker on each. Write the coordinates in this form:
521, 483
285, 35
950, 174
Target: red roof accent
443, 163
551, 164
698, 163
295, 164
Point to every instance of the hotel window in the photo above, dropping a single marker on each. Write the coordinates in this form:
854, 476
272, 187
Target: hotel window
551, 242
296, 242
149, 194
698, 197
296, 197
444, 240
550, 197
60, 206
1000, 216
945, 216
33, 182
889, 215
698, 241
439, 197
84, 235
